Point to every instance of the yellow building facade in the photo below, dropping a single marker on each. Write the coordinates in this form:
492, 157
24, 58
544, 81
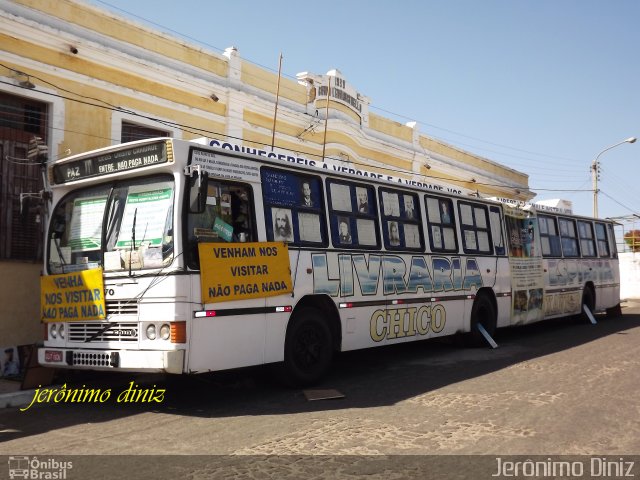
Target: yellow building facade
82, 78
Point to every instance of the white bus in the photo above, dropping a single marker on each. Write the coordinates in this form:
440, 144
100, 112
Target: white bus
172, 256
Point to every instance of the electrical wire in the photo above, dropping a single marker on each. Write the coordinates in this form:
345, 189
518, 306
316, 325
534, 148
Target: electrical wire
616, 201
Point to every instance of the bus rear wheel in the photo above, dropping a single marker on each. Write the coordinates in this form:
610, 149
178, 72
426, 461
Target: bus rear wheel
482, 313
308, 349
588, 300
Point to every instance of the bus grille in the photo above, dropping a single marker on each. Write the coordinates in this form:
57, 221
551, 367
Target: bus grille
117, 332
92, 359
121, 307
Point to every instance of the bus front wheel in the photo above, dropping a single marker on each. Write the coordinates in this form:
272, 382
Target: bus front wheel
308, 348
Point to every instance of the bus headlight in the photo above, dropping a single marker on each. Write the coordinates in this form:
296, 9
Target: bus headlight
53, 331
61, 331
165, 332
151, 332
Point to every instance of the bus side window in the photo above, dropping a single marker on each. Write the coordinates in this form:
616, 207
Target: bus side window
228, 216
612, 241
401, 220
603, 242
293, 207
474, 223
587, 245
441, 224
549, 237
568, 238
497, 230
353, 214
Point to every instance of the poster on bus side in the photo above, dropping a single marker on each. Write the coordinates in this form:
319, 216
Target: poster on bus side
239, 271
525, 261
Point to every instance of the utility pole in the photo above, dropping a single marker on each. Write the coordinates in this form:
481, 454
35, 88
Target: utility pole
326, 121
275, 112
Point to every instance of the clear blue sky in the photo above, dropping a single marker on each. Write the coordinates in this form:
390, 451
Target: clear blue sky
541, 86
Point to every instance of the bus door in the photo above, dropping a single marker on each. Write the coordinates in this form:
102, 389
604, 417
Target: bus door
526, 265
500, 270
229, 309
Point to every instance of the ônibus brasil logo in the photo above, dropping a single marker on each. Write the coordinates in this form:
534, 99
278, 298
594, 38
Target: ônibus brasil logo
35, 468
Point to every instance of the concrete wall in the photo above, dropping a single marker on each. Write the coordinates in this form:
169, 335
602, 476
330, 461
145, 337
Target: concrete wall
629, 275
20, 303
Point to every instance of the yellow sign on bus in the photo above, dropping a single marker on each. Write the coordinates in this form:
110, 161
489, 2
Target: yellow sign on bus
72, 296
243, 270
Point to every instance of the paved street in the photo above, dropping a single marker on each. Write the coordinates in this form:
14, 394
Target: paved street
561, 387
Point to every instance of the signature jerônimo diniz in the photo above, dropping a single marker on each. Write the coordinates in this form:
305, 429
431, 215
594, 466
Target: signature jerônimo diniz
132, 394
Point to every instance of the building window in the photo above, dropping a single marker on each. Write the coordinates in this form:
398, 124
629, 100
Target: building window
21, 119
132, 131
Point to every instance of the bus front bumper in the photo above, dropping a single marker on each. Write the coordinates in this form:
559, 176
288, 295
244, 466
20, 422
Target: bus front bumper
169, 361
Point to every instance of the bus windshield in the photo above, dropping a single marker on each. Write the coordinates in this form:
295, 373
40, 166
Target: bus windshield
122, 226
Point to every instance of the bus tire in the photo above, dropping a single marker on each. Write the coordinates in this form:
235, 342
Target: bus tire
308, 348
588, 299
484, 313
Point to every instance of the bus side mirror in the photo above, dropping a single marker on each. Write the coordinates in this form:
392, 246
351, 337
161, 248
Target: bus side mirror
198, 186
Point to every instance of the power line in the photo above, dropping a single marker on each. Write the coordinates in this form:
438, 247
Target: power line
614, 200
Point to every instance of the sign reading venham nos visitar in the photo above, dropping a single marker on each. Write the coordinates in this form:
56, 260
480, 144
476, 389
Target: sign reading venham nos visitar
244, 270
72, 296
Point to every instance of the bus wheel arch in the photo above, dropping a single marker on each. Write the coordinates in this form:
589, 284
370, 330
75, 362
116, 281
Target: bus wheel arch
484, 312
310, 342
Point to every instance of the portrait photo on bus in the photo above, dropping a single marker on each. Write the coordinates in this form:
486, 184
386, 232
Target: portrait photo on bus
282, 226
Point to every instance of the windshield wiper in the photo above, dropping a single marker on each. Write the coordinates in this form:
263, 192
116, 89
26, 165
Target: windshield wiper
63, 262
133, 239
99, 332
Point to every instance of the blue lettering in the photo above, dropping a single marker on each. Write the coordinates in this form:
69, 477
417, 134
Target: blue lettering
393, 275
457, 273
419, 276
441, 275
321, 281
346, 275
472, 275
367, 274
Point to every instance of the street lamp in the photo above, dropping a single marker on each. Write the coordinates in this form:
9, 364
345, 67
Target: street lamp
595, 166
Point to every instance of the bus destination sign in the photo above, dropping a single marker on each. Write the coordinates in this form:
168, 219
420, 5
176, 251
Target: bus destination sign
113, 162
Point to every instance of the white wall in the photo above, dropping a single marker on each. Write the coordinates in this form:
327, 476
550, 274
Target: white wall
629, 275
